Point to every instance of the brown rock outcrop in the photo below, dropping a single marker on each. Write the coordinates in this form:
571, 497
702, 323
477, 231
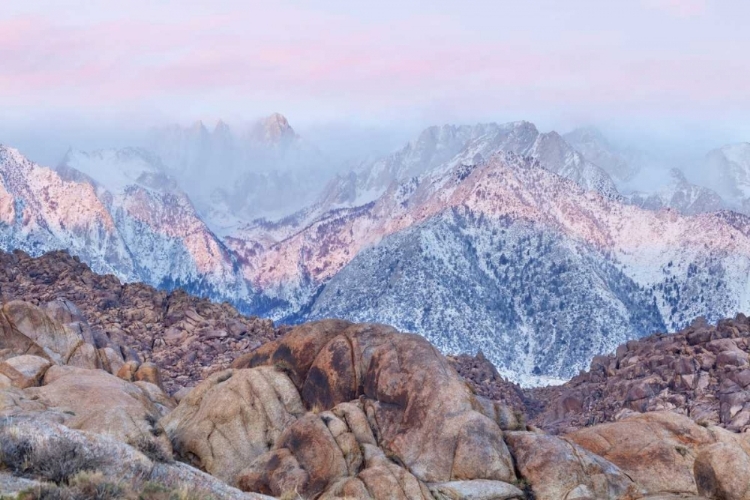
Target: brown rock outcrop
722, 470
659, 451
96, 401
25, 370
405, 383
701, 371
385, 412
478, 489
231, 418
124, 322
559, 469
487, 382
339, 410
26, 329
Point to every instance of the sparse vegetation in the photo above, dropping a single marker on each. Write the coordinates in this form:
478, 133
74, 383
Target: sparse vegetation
156, 491
290, 495
152, 448
94, 486
55, 460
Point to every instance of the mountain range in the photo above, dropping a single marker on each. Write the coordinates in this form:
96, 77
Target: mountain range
489, 237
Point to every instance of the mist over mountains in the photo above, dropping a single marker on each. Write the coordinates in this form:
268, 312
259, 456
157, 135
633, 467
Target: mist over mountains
531, 246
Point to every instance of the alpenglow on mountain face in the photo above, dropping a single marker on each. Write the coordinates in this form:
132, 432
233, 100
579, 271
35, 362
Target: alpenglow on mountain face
131, 220
491, 237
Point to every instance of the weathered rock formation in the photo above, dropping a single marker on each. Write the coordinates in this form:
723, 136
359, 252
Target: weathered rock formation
702, 372
333, 409
340, 409
665, 452
487, 382
63, 406
187, 337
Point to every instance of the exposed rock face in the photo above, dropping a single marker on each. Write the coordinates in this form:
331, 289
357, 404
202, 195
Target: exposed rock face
233, 417
702, 371
99, 402
81, 397
25, 371
333, 409
29, 330
656, 449
558, 468
486, 382
95, 321
669, 453
120, 212
382, 404
723, 471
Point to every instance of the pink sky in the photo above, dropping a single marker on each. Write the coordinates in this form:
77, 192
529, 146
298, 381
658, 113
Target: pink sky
661, 61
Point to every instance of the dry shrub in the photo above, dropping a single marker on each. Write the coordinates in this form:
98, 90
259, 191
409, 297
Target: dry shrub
55, 459
152, 448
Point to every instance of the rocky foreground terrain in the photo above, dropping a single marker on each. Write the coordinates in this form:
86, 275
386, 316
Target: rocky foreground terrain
702, 372
186, 336
96, 403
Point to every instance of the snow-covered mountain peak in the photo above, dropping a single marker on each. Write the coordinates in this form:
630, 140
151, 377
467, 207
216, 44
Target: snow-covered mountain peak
491, 236
679, 194
440, 148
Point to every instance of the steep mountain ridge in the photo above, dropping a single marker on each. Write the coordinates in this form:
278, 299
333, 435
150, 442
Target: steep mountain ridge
729, 170
681, 195
446, 146
621, 165
446, 232
531, 257
142, 229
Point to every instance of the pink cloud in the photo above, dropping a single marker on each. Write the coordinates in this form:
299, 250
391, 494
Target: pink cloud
679, 8
127, 62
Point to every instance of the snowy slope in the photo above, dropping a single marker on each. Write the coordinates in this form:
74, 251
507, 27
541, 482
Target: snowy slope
139, 226
491, 236
681, 195
446, 146
621, 165
729, 169
437, 243
533, 301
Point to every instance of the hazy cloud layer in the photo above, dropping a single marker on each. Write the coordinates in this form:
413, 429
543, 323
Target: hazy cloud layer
671, 67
